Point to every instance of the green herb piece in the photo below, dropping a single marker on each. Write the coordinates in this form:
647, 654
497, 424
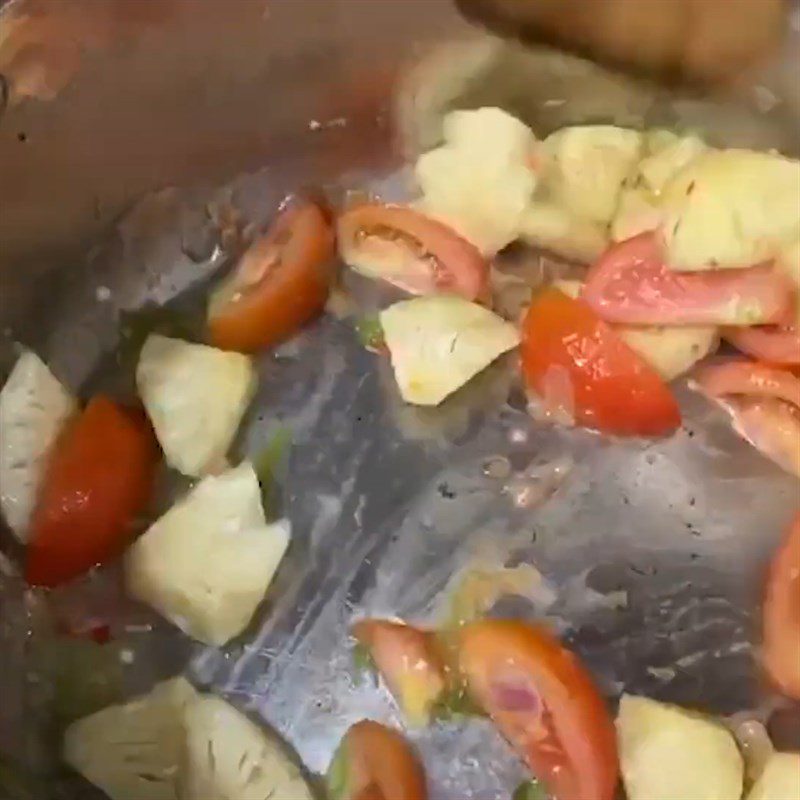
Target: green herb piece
362, 659
271, 466
336, 776
456, 701
370, 332
530, 790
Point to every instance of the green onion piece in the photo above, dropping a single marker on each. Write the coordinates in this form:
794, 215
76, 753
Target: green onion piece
370, 332
456, 701
530, 790
271, 466
362, 659
336, 776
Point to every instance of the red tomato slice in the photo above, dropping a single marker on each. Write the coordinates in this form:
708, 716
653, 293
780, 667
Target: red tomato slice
281, 282
612, 388
771, 426
409, 662
763, 403
99, 479
782, 615
371, 792
411, 251
375, 762
630, 284
773, 344
546, 705
739, 377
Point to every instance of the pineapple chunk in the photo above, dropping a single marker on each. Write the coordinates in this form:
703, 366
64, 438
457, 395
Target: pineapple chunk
230, 757
638, 209
731, 209
195, 396
437, 343
667, 753
668, 157
586, 166
34, 408
780, 779
206, 564
636, 213
175, 744
671, 351
133, 751
550, 227
480, 180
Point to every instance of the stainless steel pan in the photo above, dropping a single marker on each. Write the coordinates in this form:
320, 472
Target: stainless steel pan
651, 554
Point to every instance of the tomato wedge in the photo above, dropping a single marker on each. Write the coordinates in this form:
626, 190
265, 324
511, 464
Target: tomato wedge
781, 652
546, 705
370, 792
281, 282
411, 251
774, 344
740, 377
763, 403
612, 389
771, 426
409, 662
374, 762
99, 478
630, 284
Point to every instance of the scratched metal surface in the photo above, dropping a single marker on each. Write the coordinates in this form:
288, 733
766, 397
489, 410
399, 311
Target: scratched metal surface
651, 553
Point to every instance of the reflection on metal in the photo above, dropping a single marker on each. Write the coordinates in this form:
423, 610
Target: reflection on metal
387, 505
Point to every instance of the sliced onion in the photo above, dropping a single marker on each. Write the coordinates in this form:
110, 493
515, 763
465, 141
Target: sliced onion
514, 696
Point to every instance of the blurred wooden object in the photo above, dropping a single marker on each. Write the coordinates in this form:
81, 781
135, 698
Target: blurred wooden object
706, 40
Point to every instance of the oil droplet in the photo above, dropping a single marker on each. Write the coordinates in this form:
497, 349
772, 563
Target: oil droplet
497, 468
